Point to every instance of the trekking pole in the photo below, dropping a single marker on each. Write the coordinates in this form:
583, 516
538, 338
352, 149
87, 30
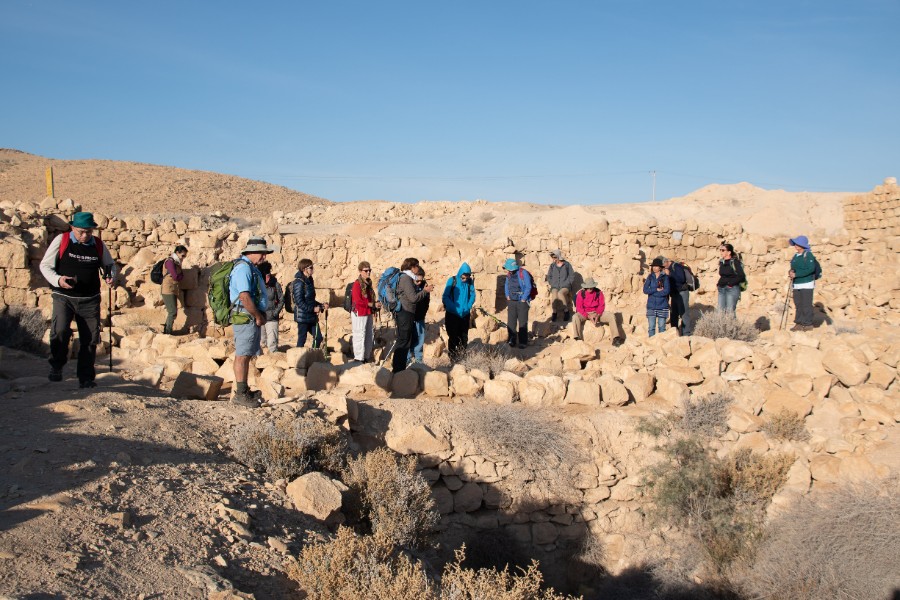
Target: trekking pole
494, 317
325, 338
785, 310
107, 271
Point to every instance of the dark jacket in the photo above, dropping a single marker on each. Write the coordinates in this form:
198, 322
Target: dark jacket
303, 291
276, 299
560, 277
657, 299
731, 272
423, 304
677, 277
804, 267
407, 293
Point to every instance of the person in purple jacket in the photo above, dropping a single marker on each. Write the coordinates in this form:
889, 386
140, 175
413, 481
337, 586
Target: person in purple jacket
172, 276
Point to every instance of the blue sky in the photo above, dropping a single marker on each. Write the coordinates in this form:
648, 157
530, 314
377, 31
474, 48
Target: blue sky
555, 102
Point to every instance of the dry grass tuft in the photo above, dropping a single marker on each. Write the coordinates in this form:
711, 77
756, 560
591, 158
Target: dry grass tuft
786, 425
23, 329
490, 359
290, 447
394, 497
843, 544
707, 416
721, 324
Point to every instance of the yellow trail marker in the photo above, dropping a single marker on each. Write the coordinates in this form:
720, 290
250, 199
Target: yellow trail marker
50, 182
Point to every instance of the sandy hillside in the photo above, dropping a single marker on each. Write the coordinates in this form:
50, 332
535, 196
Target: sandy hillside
124, 188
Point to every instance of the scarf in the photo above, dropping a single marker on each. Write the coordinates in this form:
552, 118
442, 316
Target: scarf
176, 258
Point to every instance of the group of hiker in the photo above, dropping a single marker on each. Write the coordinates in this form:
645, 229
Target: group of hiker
76, 261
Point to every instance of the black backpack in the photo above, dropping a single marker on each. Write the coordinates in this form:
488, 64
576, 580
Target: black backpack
156, 273
691, 281
348, 297
817, 274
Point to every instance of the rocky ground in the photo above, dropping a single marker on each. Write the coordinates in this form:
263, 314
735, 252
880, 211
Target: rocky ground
121, 492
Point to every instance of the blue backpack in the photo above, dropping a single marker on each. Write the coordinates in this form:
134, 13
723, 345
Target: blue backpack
387, 289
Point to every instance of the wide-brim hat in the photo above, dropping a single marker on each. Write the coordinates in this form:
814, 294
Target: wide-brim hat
83, 220
257, 244
510, 265
588, 283
656, 263
557, 254
801, 241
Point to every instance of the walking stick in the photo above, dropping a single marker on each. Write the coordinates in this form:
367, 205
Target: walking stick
494, 317
325, 338
785, 310
106, 274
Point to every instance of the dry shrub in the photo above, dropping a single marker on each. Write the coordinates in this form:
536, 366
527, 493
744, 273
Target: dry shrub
23, 329
490, 359
786, 425
148, 317
395, 498
719, 502
350, 567
707, 416
841, 544
290, 447
722, 324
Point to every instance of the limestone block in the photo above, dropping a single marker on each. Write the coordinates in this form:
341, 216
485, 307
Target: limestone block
848, 370
825, 468
578, 349
674, 393
755, 441
271, 390
319, 496
583, 392
806, 361
881, 374
685, 375
779, 399
468, 498
499, 392
544, 533
360, 375
464, 384
405, 384
294, 381
612, 393
302, 358
436, 383
322, 376
640, 386
338, 403
443, 499
174, 365
733, 351
742, 421
196, 387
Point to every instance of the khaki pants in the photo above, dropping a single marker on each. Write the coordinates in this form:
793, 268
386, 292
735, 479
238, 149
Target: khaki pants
614, 320
559, 300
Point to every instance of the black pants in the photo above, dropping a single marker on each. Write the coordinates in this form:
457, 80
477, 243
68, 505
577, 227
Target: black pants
457, 333
677, 309
517, 321
803, 302
86, 312
303, 329
406, 333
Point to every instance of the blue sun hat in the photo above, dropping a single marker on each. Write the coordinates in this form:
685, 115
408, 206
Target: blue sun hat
83, 220
510, 265
801, 241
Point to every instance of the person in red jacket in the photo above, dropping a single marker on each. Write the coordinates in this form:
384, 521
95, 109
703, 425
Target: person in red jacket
364, 304
590, 305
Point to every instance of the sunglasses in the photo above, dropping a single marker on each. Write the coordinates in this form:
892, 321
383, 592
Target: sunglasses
366, 270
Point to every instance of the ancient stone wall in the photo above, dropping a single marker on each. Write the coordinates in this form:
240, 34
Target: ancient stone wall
876, 214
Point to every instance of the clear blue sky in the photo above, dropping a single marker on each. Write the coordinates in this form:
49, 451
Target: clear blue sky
557, 102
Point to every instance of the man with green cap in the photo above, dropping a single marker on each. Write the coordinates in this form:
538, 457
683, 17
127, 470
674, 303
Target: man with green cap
73, 265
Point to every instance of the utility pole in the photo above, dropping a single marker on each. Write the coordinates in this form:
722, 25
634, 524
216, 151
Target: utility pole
653, 185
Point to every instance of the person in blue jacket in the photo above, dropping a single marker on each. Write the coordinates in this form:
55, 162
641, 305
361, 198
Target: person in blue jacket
681, 296
657, 289
519, 284
458, 299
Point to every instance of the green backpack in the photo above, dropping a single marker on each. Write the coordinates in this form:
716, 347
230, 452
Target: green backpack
219, 293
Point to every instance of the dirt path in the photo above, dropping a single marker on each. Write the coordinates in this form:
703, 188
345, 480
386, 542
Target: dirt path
121, 492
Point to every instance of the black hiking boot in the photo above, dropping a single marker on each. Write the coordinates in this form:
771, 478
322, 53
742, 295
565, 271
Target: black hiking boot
87, 383
553, 318
567, 316
55, 375
245, 399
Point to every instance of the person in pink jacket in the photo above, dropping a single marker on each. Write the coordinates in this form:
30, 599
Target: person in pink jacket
590, 305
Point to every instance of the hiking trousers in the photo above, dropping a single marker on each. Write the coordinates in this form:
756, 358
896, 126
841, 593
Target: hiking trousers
517, 321
457, 333
171, 312
363, 336
406, 331
803, 303
86, 312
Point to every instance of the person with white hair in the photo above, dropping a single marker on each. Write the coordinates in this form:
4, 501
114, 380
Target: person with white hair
560, 277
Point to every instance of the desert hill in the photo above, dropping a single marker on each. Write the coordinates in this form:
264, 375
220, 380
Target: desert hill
128, 188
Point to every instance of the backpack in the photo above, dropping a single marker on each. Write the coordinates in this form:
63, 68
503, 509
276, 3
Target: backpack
742, 285
156, 273
691, 281
348, 297
817, 274
533, 294
219, 291
387, 289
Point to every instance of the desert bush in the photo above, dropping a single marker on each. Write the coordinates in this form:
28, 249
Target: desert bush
394, 498
845, 328
707, 416
841, 544
721, 324
786, 425
22, 329
350, 567
290, 447
489, 359
719, 502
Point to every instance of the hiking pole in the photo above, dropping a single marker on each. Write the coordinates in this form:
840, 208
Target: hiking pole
107, 271
785, 310
494, 317
325, 339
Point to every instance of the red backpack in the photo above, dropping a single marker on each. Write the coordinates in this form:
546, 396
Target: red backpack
64, 244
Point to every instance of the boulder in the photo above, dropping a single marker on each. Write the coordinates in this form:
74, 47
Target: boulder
322, 376
338, 403
542, 390
358, 376
674, 393
436, 383
579, 350
779, 399
685, 375
196, 387
849, 371
468, 498
612, 393
464, 384
405, 384
583, 392
499, 392
319, 496
414, 439
640, 386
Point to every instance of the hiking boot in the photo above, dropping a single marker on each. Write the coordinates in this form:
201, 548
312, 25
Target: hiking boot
521, 346
799, 327
567, 316
617, 342
87, 384
55, 375
553, 318
245, 399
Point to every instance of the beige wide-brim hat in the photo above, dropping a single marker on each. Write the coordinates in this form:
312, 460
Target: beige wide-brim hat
588, 283
257, 244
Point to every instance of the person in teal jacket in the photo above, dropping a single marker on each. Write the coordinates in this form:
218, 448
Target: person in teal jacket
803, 282
458, 299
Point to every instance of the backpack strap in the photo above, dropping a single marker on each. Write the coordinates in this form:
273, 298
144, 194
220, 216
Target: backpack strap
63, 244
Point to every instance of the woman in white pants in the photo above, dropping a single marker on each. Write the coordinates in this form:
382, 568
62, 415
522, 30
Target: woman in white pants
364, 305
